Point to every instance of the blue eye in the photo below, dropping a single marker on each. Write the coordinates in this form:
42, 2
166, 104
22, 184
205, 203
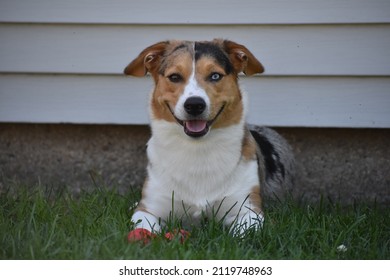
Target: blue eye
215, 77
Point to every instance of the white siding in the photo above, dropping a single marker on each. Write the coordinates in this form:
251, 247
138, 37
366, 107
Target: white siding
284, 50
327, 62
287, 101
196, 11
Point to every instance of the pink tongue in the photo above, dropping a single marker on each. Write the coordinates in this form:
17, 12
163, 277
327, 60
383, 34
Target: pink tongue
196, 125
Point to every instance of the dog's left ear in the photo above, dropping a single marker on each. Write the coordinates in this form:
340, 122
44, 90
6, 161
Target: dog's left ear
243, 60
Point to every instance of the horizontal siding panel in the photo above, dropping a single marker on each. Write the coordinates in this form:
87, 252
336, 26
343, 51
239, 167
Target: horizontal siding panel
284, 50
320, 102
73, 99
195, 12
312, 102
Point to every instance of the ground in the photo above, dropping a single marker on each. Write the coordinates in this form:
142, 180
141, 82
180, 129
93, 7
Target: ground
40, 223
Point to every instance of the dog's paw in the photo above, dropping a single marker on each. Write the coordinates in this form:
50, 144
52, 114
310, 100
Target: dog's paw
182, 234
140, 235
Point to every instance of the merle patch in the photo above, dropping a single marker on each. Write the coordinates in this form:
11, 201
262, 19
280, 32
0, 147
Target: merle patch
214, 51
271, 157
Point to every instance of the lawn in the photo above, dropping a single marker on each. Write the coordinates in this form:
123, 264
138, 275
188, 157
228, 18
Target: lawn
47, 224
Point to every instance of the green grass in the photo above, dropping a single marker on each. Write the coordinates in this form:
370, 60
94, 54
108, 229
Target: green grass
47, 225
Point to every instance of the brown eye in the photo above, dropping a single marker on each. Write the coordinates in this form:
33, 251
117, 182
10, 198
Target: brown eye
175, 78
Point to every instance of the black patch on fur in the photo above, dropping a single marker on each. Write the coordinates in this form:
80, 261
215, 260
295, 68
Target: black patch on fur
272, 161
214, 51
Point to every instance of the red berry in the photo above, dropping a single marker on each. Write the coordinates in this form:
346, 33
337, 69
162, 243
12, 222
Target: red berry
183, 235
140, 235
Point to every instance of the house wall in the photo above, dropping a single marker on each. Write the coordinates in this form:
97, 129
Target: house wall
327, 83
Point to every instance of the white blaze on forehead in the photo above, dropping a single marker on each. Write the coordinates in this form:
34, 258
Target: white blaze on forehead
192, 89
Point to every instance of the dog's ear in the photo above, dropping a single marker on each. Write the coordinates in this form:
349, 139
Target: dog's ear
147, 61
242, 59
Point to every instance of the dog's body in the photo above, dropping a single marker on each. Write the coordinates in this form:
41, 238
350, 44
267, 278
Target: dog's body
203, 158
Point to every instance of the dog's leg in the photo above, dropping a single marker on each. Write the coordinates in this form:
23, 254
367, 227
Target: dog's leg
243, 219
242, 213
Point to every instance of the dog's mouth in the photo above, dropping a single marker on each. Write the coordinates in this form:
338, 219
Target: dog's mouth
196, 127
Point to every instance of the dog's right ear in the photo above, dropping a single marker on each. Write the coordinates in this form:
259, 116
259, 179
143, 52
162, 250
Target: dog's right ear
147, 61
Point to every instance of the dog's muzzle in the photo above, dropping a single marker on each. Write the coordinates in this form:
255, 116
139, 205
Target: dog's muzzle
195, 126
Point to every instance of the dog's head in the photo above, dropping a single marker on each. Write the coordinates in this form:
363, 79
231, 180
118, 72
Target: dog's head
196, 82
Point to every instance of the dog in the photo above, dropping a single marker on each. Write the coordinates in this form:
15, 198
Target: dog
203, 159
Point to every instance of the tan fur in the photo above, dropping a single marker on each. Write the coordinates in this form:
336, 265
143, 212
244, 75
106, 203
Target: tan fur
255, 200
243, 60
249, 147
147, 61
167, 93
225, 94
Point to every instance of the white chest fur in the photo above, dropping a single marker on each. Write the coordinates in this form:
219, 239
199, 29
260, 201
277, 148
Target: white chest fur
197, 173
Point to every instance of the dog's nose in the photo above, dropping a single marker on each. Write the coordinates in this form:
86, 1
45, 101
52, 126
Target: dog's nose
195, 106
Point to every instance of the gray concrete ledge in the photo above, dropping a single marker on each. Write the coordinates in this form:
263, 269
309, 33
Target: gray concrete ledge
343, 165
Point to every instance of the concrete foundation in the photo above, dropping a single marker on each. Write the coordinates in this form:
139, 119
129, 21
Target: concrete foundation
344, 165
